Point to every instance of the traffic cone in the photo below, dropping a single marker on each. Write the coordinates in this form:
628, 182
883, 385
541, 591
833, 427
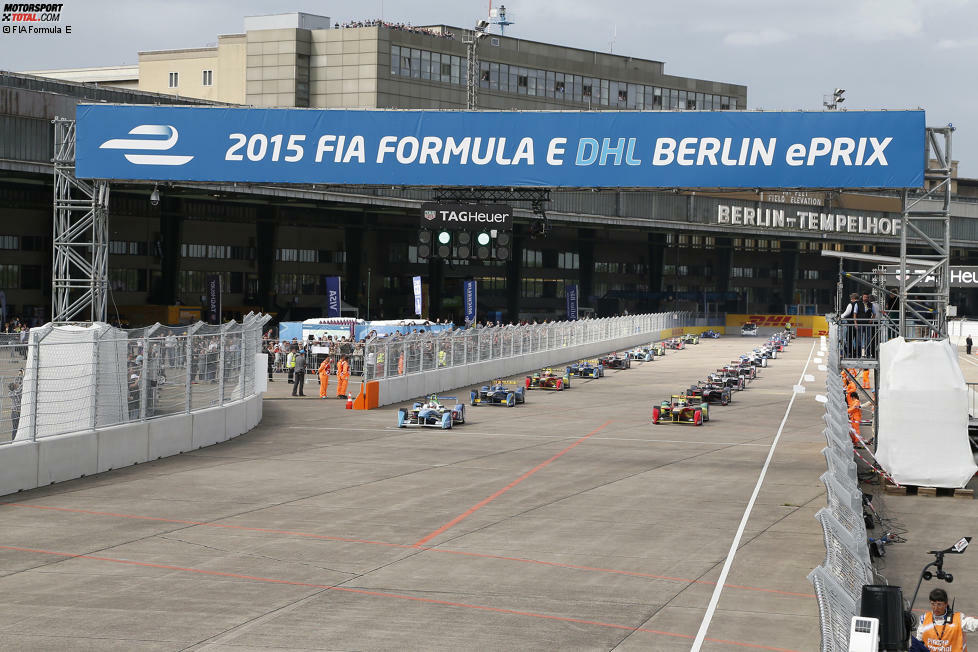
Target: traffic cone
349, 401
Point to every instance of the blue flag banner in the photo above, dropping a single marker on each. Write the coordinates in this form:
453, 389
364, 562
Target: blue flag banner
470, 292
570, 291
333, 298
417, 295
636, 149
214, 290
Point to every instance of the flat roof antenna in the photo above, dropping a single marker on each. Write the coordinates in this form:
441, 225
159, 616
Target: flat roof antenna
498, 17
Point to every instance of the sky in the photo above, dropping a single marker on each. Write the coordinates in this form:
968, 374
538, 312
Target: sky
886, 54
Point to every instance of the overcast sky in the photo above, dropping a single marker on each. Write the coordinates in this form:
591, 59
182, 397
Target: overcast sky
887, 54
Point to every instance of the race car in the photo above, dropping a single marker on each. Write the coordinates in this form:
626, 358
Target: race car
432, 414
767, 351
709, 393
657, 348
749, 328
642, 353
508, 393
548, 379
712, 334
674, 343
732, 380
679, 409
586, 369
689, 338
753, 360
616, 361
744, 367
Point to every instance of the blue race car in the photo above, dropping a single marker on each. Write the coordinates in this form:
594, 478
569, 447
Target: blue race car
586, 369
642, 353
432, 414
712, 334
500, 392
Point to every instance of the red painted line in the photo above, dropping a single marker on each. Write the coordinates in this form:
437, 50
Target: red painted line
380, 594
449, 551
485, 501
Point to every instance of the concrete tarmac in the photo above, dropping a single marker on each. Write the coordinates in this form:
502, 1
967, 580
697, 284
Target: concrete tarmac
567, 523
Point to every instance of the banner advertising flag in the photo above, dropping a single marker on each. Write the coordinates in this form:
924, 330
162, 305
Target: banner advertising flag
470, 292
570, 291
333, 300
417, 295
213, 298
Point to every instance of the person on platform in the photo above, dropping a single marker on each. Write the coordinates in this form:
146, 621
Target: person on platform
942, 629
849, 337
968, 344
324, 371
299, 377
343, 372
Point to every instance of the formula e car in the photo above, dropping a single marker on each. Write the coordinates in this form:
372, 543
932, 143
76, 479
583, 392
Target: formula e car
679, 409
709, 393
674, 343
586, 369
712, 334
616, 361
432, 414
642, 353
689, 338
744, 367
657, 348
508, 393
733, 380
548, 379
749, 328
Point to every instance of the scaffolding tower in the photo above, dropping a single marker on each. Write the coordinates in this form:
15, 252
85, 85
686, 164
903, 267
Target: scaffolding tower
79, 279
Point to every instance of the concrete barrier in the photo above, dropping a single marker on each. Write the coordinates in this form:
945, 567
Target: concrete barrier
19, 463
66, 457
170, 436
235, 416
123, 445
253, 410
210, 427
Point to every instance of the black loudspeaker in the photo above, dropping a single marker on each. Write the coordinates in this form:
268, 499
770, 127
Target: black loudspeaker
886, 604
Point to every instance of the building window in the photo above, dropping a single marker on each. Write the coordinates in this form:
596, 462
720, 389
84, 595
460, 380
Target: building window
532, 288
208, 78
308, 256
10, 276
127, 280
532, 258
9, 242
742, 272
287, 255
174, 79
568, 260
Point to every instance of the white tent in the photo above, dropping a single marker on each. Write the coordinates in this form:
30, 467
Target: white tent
923, 415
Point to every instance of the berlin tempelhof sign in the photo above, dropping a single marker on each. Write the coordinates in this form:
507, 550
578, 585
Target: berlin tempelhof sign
779, 218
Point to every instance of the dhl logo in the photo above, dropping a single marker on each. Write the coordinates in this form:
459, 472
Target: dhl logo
769, 320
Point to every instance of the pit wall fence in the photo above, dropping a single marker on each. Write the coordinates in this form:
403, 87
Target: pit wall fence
84, 399
422, 364
838, 581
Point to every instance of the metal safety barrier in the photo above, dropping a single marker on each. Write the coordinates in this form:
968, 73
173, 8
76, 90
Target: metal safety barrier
69, 379
415, 353
838, 581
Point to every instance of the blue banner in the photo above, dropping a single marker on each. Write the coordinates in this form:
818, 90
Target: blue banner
470, 292
333, 299
417, 295
570, 291
638, 149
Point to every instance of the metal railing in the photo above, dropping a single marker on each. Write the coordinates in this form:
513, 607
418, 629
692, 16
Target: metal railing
861, 341
838, 581
74, 378
416, 353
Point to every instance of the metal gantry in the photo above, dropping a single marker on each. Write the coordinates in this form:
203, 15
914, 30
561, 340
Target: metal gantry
79, 279
471, 41
923, 305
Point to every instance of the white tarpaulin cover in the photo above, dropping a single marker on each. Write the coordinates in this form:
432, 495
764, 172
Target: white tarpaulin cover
78, 382
923, 415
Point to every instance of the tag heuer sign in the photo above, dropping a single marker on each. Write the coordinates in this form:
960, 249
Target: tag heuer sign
467, 216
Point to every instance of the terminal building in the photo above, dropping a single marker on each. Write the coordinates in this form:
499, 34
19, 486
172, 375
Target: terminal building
274, 245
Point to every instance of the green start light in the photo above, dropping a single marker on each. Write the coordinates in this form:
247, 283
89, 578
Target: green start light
482, 239
444, 237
